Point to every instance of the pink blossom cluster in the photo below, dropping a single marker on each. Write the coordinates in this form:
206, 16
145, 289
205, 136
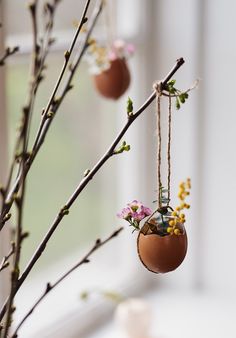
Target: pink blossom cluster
134, 213
120, 49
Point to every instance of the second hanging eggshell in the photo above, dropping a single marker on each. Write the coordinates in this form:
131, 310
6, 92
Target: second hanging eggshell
113, 82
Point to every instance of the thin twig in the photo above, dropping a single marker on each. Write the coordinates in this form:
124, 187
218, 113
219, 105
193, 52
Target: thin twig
98, 244
8, 52
35, 73
192, 87
22, 139
5, 263
109, 153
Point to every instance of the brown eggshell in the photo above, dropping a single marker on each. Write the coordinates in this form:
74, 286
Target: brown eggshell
161, 254
113, 82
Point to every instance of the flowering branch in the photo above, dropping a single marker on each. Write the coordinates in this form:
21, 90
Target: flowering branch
98, 244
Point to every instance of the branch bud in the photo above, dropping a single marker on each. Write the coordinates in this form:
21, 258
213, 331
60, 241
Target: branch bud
67, 55
129, 107
7, 217
124, 147
86, 172
64, 211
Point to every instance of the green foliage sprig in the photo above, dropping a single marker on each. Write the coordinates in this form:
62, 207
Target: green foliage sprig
180, 96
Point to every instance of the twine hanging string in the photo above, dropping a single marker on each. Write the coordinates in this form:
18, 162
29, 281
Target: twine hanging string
157, 87
168, 148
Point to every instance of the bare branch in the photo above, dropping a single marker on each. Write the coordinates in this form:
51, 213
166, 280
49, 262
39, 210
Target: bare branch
8, 52
5, 263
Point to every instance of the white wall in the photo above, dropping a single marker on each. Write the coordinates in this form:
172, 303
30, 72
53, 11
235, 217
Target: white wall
204, 131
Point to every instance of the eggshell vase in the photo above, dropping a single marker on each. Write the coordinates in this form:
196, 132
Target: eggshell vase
161, 254
113, 82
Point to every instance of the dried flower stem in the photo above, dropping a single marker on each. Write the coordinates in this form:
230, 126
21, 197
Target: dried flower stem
98, 244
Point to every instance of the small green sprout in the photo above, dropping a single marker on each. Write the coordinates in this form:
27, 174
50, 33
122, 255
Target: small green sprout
124, 147
130, 107
180, 97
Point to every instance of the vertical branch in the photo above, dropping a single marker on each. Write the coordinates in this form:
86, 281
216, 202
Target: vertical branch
39, 53
37, 66
23, 138
53, 105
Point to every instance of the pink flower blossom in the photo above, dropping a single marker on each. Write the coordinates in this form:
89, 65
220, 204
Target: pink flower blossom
145, 210
130, 49
138, 216
134, 213
135, 205
125, 213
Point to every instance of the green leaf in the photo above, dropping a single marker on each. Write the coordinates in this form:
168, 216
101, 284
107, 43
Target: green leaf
182, 98
177, 103
130, 107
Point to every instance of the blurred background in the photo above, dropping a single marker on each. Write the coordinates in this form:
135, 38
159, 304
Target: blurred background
198, 299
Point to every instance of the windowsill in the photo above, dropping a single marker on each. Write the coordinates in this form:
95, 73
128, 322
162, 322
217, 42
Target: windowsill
185, 314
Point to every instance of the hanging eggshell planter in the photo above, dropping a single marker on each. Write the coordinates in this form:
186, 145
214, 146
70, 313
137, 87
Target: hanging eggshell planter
113, 82
108, 65
162, 240
161, 254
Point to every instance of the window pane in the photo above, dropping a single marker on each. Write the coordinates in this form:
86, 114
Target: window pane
79, 135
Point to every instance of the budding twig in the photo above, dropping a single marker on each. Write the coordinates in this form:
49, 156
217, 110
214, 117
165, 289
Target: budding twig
5, 263
8, 52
